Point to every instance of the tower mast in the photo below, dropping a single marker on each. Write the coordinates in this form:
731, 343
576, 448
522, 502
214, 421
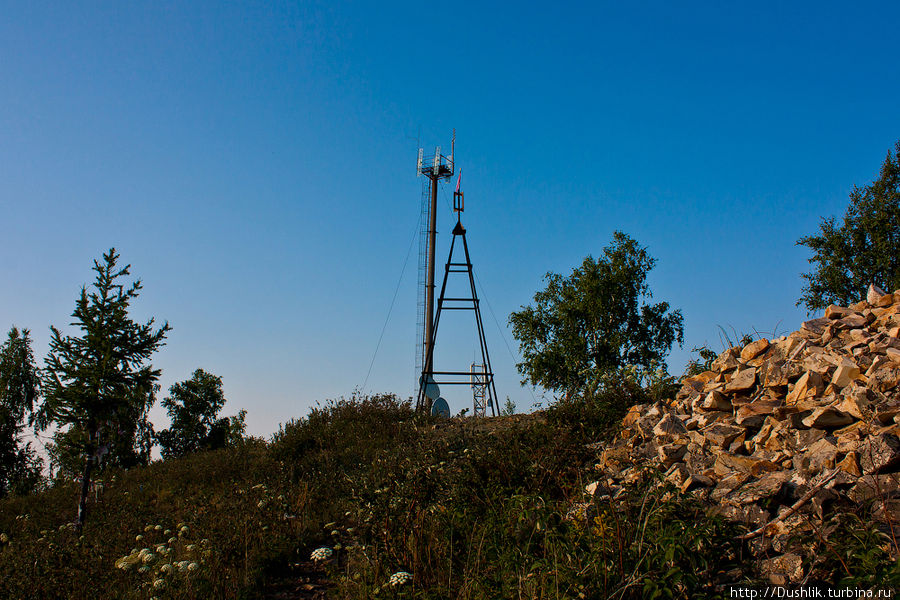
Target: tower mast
437, 168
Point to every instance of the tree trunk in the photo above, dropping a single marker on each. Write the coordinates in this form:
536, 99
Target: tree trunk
85, 486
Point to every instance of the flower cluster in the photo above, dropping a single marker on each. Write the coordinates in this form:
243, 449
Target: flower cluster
323, 553
400, 578
158, 561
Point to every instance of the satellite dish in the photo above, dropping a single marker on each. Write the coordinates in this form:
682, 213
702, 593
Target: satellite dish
440, 408
432, 391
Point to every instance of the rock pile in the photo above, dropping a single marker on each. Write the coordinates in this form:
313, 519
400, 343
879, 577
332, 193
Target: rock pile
778, 431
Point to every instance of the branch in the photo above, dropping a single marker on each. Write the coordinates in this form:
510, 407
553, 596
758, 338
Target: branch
796, 506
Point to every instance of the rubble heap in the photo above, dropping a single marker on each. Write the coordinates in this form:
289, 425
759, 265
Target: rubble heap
777, 431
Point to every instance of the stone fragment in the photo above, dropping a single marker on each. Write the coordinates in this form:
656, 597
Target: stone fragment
695, 480
715, 400
784, 569
836, 312
809, 385
886, 300
613, 459
754, 349
633, 415
850, 464
827, 417
677, 474
727, 463
768, 486
742, 380
776, 374
726, 361
670, 454
819, 456
856, 403
755, 413
854, 321
887, 414
816, 326
874, 294
845, 373
885, 378
670, 426
879, 454
721, 434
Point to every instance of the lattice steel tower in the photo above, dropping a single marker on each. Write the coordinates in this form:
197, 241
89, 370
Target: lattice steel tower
479, 376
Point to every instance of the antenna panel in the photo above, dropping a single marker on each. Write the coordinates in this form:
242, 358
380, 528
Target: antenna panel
419, 162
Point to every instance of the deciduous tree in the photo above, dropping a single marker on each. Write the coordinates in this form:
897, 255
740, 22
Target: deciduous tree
595, 321
864, 249
193, 406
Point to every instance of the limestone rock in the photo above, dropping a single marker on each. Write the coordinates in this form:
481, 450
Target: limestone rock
809, 385
880, 454
726, 463
721, 434
670, 454
754, 349
874, 294
784, 569
827, 417
767, 486
742, 380
817, 326
715, 400
670, 426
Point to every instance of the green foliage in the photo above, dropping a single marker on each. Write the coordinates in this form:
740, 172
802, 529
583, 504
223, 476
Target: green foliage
595, 321
703, 361
599, 408
97, 386
20, 467
860, 251
193, 406
509, 408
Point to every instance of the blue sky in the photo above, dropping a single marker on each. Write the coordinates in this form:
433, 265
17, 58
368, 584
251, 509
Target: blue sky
255, 163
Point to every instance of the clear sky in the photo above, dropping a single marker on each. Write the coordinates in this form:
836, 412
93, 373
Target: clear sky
255, 163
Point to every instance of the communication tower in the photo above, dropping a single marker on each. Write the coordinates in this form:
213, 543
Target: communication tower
479, 376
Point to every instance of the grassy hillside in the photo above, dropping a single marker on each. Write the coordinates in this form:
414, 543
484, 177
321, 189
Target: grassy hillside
474, 509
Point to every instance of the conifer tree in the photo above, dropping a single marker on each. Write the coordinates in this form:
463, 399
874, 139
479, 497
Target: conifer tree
20, 467
98, 384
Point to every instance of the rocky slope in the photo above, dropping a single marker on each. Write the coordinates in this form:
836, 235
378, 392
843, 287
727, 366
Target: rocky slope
779, 432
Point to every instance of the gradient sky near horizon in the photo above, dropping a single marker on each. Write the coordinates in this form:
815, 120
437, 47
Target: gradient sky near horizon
255, 164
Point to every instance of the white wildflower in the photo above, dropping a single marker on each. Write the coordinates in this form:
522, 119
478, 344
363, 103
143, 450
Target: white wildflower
323, 553
173, 541
193, 567
139, 538
167, 532
149, 558
148, 528
144, 569
166, 568
183, 530
158, 528
159, 584
190, 547
400, 578
4, 538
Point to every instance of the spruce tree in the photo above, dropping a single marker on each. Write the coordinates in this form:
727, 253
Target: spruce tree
98, 384
20, 467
